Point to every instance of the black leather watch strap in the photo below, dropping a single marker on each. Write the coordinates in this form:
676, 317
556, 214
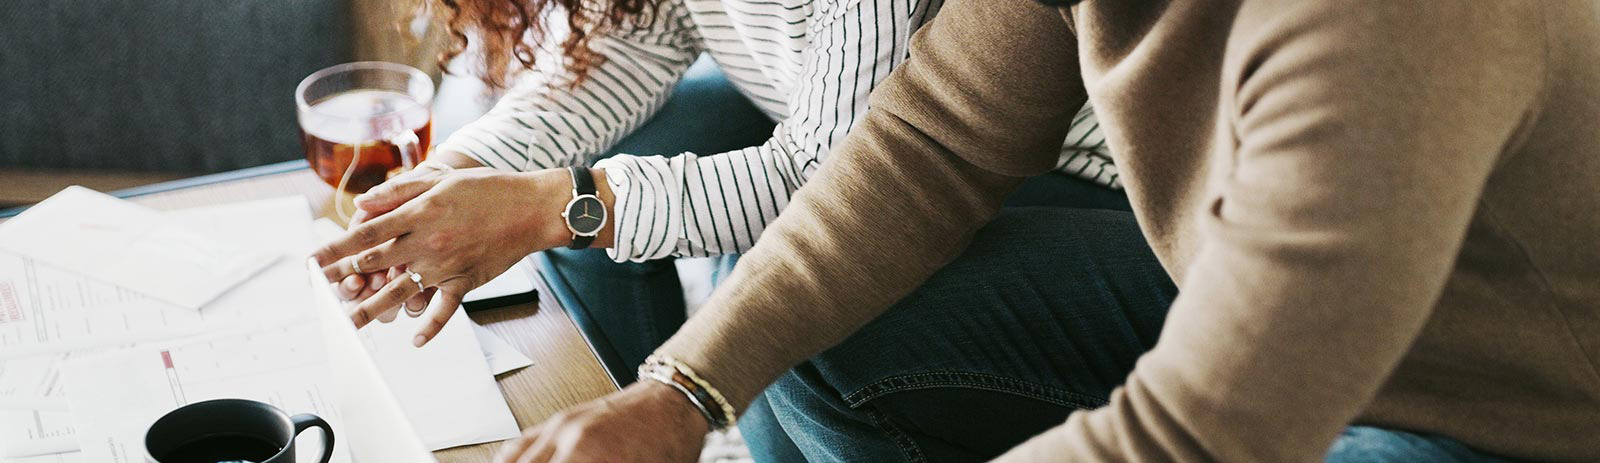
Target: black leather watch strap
582, 184
582, 181
580, 242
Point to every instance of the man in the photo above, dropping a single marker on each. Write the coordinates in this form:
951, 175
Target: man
1381, 217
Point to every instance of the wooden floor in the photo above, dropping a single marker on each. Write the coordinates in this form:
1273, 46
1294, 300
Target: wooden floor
19, 187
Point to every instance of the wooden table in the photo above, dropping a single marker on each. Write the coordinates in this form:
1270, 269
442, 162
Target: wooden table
565, 371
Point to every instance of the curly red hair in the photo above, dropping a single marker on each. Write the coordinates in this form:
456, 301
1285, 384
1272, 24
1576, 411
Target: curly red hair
501, 25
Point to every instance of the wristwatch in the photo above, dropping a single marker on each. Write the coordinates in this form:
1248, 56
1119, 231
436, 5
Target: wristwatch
585, 214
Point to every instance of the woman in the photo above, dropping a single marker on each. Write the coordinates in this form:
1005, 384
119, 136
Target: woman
808, 66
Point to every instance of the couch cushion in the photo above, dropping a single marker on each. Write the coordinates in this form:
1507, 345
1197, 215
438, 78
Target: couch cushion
159, 84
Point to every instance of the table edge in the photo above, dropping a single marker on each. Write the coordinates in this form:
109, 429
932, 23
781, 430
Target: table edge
179, 184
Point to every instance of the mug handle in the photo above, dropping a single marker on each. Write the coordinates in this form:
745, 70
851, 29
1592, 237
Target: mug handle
305, 421
410, 148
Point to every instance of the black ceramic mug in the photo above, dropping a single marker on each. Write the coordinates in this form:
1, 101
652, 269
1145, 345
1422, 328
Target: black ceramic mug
230, 431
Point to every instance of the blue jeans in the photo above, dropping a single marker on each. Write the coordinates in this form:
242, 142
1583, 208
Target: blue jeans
1045, 314
626, 310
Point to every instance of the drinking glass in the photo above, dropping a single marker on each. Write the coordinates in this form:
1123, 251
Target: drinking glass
364, 122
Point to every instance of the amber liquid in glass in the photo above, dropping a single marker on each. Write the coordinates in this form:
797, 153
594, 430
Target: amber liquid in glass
370, 146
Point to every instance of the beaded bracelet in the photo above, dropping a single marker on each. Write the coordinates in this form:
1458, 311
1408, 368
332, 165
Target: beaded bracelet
718, 412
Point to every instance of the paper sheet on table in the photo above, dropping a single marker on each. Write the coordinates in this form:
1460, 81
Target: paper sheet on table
69, 457
115, 396
47, 313
47, 309
451, 399
502, 357
33, 410
133, 247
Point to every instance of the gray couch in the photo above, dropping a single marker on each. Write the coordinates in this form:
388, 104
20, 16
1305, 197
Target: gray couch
159, 85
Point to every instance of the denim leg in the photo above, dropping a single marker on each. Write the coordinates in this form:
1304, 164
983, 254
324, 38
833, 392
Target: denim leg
1366, 444
1054, 189
1045, 313
634, 307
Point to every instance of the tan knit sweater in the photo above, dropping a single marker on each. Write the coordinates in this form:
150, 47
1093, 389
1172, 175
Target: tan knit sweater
1377, 211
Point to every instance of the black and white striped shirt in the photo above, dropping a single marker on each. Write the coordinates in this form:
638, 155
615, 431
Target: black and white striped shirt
808, 64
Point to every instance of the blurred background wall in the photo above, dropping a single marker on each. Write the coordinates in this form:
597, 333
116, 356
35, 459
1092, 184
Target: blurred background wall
114, 93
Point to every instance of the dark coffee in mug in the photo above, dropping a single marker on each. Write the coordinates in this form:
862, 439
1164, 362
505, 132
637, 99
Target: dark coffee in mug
223, 448
231, 431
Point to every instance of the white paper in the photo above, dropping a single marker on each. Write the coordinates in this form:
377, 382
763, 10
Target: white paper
51, 313
502, 357
131, 246
33, 410
68, 457
47, 309
378, 430
115, 397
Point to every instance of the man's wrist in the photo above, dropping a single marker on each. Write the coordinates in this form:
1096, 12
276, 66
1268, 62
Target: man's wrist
676, 405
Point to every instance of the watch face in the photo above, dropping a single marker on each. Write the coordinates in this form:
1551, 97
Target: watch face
586, 215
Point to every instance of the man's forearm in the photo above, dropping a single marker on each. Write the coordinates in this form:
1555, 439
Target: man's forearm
899, 199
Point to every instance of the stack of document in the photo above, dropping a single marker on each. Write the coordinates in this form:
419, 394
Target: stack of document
112, 314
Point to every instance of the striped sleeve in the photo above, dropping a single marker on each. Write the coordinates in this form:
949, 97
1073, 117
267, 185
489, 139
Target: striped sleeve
691, 205
1085, 154
544, 123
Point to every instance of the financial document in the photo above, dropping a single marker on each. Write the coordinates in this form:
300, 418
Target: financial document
48, 314
70, 457
116, 396
33, 409
47, 309
131, 246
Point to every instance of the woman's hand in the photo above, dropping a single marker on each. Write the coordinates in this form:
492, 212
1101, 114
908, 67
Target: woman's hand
361, 286
456, 229
647, 422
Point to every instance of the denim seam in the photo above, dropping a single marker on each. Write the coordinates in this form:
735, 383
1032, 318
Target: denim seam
908, 446
972, 380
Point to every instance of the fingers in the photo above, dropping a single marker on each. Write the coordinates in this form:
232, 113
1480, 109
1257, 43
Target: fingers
375, 281
391, 194
539, 453
351, 286
390, 314
386, 299
418, 304
393, 253
513, 449
543, 444
450, 294
360, 237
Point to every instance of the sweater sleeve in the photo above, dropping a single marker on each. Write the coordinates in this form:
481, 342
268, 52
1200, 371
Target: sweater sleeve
900, 197
694, 206
1365, 132
543, 122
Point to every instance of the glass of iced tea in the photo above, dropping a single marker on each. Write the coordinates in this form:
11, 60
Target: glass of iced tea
361, 123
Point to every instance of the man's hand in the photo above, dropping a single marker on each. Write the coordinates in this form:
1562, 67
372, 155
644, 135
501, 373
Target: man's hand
455, 229
647, 422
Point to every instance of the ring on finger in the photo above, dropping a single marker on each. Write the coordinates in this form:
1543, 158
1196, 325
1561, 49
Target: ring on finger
356, 266
416, 278
410, 312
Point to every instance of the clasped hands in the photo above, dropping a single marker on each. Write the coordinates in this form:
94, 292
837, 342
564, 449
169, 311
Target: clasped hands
456, 229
